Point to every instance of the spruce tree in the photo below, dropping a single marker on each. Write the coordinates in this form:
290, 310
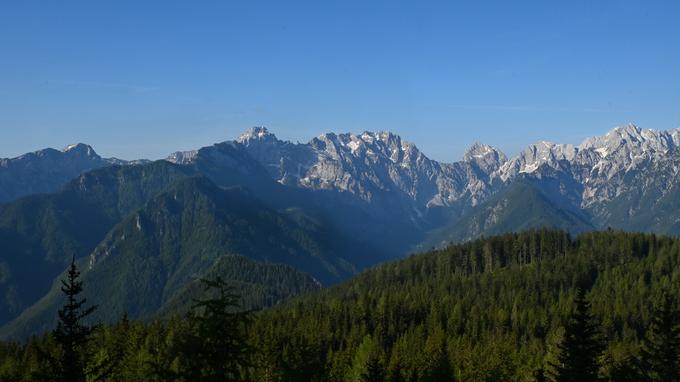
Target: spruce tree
393, 372
71, 334
660, 356
216, 348
581, 347
435, 360
625, 367
374, 370
539, 375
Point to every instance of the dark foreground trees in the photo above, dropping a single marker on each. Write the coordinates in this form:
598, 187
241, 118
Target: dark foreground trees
214, 346
582, 346
72, 333
441, 316
660, 358
208, 344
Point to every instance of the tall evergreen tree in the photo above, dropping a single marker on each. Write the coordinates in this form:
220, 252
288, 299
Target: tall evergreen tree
393, 372
660, 356
581, 347
539, 375
71, 334
436, 365
216, 348
374, 370
626, 370
365, 352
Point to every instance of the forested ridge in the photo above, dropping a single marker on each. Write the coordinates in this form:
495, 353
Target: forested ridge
537, 305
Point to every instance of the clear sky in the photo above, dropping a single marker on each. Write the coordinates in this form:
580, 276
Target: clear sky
145, 78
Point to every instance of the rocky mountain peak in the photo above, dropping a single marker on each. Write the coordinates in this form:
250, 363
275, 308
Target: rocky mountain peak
536, 155
630, 141
625, 148
629, 129
380, 167
372, 145
486, 157
49, 170
81, 149
257, 134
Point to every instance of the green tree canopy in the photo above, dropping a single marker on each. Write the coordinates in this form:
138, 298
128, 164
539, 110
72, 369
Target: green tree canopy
581, 347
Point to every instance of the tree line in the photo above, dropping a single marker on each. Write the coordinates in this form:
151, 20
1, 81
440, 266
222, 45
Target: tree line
532, 306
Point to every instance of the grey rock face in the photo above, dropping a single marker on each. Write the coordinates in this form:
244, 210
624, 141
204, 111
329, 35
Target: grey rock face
626, 178
486, 157
372, 165
598, 176
375, 166
182, 157
534, 156
599, 164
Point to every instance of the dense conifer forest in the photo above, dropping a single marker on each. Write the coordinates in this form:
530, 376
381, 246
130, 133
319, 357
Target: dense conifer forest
532, 306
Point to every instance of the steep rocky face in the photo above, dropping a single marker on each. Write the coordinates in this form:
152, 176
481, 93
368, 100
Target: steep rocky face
284, 161
611, 178
487, 158
600, 164
182, 157
372, 164
47, 170
373, 167
626, 178
534, 156
623, 151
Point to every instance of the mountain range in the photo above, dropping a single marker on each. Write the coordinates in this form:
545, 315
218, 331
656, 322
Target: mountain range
321, 211
625, 179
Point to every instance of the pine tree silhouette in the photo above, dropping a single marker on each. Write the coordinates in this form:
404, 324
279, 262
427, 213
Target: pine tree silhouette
581, 347
217, 349
374, 370
539, 375
71, 334
660, 356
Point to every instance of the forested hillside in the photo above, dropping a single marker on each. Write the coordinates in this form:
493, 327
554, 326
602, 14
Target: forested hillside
176, 237
495, 309
40, 233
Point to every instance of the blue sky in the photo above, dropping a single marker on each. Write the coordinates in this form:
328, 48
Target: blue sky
142, 79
